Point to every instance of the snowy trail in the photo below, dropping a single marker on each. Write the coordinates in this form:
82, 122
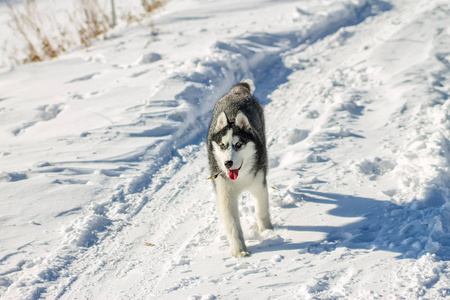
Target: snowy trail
176, 254
186, 259
354, 214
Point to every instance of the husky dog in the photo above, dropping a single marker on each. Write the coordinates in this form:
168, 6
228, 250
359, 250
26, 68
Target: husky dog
238, 160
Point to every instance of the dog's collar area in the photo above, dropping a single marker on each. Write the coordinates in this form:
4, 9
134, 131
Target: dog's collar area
215, 175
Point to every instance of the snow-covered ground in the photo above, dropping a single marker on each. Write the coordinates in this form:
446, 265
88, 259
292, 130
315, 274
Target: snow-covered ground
103, 165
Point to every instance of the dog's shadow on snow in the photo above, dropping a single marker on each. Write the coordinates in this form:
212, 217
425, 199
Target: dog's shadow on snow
380, 225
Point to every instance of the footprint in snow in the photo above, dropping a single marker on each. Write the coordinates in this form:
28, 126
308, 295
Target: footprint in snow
137, 74
46, 113
162, 130
148, 58
84, 78
184, 260
204, 297
297, 136
12, 177
277, 258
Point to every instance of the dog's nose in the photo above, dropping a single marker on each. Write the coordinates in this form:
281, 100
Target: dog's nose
228, 164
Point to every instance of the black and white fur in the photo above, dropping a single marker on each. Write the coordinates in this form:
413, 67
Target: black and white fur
238, 160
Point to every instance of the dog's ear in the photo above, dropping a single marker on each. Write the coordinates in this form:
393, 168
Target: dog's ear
242, 121
222, 122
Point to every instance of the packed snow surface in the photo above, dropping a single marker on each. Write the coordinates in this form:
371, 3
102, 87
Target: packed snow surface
103, 162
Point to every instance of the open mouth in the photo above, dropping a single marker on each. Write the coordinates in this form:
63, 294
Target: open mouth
233, 174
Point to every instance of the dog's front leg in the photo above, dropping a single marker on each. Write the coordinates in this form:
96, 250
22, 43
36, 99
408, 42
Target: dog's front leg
227, 201
261, 196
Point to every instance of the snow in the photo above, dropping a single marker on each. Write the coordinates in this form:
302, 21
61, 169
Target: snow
103, 161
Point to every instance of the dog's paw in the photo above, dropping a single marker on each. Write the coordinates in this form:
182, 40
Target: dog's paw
267, 226
241, 254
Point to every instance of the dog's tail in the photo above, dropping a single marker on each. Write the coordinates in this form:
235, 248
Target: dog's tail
248, 84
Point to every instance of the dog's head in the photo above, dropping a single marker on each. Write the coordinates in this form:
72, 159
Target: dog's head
233, 143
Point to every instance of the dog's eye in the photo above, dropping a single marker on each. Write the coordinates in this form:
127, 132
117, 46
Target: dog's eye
223, 146
238, 145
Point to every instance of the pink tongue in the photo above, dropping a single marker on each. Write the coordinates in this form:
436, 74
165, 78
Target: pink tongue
233, 174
